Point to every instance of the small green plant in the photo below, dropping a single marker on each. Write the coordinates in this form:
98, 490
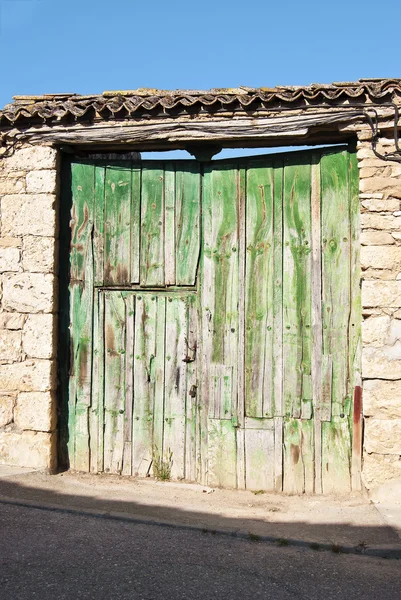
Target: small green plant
254, 537
257, 492
162, 464
283, 542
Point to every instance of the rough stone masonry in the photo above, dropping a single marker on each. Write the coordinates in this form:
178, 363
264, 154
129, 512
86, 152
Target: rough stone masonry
28, 312
28, 267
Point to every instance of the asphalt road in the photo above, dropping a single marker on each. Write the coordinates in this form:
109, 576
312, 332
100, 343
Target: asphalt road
51, 555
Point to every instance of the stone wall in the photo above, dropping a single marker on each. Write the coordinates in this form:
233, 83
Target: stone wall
380, 196
28, 305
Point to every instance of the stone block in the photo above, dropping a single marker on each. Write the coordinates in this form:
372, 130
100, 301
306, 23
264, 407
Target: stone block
41, 182
39, 337
28, 376
384, 274
29, 292
12, 185
37, 450
9, 260
11, 321
7, 402
35, 411
389, 205
39, 254
31, 157
381, 293
383, 436
381, 257
382, 363
29, 214
382, 399
10, 345
381, 222
375, 330
376, 238
379, 468
379, 183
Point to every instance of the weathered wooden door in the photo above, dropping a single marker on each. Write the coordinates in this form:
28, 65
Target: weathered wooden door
215, 320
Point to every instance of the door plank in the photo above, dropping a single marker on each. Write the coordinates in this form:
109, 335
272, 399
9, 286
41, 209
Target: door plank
152, 232
259, 291
187, 222
129, 300
277, 342
144, 379
192, 455
336, 456
259, 452
136, 182
175, 383
81, 302
114, 381
297, 344
355, 307
169, 223
336, 274
298, 457
98, 231
317, 330
222, 460
117, 226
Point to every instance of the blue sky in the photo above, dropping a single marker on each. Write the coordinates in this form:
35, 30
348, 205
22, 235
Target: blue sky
88, 46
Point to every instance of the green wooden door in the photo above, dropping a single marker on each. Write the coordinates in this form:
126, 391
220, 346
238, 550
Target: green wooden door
215, 320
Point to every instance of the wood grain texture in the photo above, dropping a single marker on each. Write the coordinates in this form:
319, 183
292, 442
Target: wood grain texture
297, 294
117, 225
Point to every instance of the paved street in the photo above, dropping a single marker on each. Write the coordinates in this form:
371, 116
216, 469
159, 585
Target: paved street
48, 555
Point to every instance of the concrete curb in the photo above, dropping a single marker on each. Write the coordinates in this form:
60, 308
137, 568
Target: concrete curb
389, 552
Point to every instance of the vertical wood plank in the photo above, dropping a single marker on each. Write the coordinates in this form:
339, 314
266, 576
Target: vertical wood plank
176, 383
297, 282
169, 223
278, 454
336, 456
98, 232
240, 412
114, 381
317, 331
193, 398
336, 273
81, 299
159, 374
259, 291
187, 222
207, 309
222, 459
136, 182
144, 378
152, 232
259, 452
278, 290
117, 226
95, 445
129, 300
299, 473
355, 318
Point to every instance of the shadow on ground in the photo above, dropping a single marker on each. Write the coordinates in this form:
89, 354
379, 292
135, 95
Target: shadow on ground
341, 525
